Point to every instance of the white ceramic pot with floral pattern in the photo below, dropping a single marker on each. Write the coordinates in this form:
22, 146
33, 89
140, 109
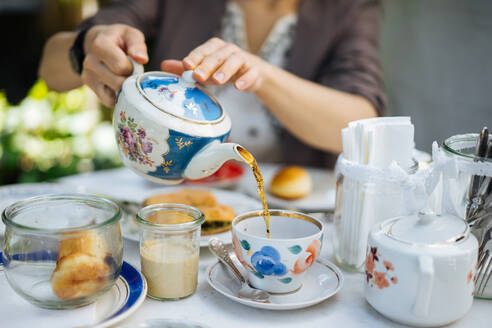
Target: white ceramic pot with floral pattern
420, 270
169, 128
277, 264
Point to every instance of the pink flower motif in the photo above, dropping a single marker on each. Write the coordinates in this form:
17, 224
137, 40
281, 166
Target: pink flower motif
307, 258
147, 147
370, 265
469, 277
127, 134
388, 265
131, 140
380, 280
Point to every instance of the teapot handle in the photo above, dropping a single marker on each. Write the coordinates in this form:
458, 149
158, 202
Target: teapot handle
137, 68
424, 291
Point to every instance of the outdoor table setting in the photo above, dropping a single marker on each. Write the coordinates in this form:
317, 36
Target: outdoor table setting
383, 236
207, 306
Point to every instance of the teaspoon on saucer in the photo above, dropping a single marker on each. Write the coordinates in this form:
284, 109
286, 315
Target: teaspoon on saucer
217, 248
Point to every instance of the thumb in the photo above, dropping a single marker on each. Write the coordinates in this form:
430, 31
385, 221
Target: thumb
135, 45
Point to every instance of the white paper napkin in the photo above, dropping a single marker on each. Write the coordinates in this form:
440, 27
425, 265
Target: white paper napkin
375, 142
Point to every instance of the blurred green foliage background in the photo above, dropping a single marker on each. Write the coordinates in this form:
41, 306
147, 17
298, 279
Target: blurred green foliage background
49, 135
45, 135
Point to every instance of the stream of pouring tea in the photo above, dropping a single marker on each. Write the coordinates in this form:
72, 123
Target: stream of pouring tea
259, 181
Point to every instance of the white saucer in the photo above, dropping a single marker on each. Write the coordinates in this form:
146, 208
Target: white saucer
321, 281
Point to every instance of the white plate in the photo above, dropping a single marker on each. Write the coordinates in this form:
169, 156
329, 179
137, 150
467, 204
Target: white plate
239, 202
126, 295
321, 198
321, 281
13, 193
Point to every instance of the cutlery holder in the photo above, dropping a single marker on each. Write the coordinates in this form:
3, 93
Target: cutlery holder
460, 168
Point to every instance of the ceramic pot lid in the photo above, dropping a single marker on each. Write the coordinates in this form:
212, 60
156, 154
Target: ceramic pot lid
181, 97
428, 229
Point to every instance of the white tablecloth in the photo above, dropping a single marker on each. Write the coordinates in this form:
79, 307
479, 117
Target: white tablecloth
346, 309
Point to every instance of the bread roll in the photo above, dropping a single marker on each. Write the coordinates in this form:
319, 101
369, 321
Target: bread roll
89, 242
291, 182
79, 274
81, 268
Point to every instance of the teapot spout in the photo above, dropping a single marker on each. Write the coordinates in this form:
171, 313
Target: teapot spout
210, 159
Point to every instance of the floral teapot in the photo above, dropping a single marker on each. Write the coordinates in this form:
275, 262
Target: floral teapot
420, 269
169, 128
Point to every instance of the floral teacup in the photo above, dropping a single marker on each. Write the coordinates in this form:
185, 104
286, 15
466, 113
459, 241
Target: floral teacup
277, 264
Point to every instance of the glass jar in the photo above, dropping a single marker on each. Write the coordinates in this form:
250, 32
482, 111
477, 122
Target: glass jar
471, 204
169, 249
360, 204
62, 251
456, 184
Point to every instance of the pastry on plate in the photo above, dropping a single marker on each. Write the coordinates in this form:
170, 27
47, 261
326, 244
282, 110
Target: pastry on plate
291, 182
193, 197
218, 217
81, 267
89, 242
79, 274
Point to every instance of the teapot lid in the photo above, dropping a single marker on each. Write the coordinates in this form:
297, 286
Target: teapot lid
427, 229
181, 97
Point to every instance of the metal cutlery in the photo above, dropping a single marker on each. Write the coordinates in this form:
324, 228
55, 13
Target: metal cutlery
478, 213
481, 151
218, 249
484, 263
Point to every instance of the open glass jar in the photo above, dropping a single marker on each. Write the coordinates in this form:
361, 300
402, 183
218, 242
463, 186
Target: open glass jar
62, 251
461, 149
362, 200
467, 193
169, 249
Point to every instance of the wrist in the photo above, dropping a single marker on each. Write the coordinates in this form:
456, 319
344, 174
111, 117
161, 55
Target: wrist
265, 74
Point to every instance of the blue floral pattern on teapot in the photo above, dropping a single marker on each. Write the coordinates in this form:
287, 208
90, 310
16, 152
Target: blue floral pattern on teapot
169, 128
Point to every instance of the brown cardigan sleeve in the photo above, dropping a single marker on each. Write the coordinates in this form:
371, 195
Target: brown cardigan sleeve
353, 62
141, 14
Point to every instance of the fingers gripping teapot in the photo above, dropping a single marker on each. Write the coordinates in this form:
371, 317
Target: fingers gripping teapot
169, 128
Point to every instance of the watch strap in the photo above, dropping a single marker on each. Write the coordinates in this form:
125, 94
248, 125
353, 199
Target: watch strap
77, 52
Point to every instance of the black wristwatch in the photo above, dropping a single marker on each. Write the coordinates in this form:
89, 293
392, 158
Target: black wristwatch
77, 53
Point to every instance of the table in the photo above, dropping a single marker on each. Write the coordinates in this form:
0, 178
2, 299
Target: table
346, 309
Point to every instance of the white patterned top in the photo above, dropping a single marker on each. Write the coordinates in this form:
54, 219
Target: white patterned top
253, 126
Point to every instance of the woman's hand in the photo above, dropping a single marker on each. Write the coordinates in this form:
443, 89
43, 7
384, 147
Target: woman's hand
106, 64
219, 62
